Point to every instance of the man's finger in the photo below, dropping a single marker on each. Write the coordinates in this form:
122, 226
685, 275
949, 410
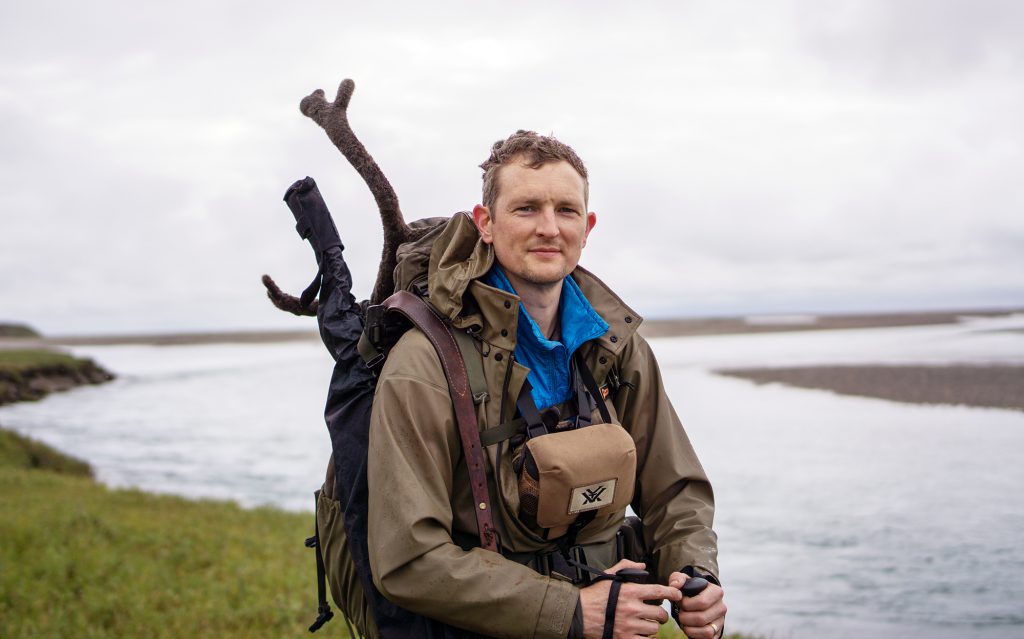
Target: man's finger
651, 591
626, 563
711, 630
703, 617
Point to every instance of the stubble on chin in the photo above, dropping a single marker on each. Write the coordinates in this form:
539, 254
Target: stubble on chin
542, 280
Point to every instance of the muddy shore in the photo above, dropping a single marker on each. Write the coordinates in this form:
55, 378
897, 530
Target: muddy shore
993, 386
800, 322
31, 375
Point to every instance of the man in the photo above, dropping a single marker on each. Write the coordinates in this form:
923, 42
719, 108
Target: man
510, 277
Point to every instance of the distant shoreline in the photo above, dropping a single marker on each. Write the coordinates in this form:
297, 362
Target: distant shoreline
991, 386
984, 386
776, 323
165, 339
650, 328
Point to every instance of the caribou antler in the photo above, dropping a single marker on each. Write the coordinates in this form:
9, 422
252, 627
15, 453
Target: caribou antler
333, 118
286, 302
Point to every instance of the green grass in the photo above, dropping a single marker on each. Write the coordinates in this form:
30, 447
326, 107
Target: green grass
671, 631
84, 561
80, 560
18, 451
31, 358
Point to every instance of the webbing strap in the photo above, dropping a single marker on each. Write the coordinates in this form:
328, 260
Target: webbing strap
502, 432
591, 384
324, 613
610, 608
371, 356
474, 365
423, 317
527, 408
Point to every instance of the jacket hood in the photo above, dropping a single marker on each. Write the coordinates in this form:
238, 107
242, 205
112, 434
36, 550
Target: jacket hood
457, 258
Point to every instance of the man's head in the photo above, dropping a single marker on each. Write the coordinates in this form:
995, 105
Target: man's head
535, 210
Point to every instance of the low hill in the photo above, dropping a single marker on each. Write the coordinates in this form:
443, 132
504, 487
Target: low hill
15, 331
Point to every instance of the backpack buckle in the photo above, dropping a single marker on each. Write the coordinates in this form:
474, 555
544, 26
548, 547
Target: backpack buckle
324, 615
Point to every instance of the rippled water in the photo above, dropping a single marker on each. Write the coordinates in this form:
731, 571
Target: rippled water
838, 516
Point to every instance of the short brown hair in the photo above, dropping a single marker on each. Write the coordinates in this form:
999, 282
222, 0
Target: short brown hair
535, 151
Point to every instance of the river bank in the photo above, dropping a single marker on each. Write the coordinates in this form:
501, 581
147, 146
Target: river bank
84, 560
31, 374
990, 386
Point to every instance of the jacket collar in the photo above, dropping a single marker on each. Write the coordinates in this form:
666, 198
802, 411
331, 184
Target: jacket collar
457, 261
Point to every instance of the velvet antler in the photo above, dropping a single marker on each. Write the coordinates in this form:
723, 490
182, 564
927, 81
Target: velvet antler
333, 118
286, 302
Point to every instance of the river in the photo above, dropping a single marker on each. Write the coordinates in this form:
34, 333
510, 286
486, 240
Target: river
838, 516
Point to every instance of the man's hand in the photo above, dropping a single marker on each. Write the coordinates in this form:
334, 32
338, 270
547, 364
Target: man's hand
697, 614
633, 618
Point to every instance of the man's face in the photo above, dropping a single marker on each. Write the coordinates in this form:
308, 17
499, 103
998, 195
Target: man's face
539, 224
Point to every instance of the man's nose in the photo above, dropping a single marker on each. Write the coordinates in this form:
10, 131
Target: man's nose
547, 225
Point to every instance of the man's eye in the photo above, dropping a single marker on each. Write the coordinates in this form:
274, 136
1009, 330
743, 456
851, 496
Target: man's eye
525, 208
567, 209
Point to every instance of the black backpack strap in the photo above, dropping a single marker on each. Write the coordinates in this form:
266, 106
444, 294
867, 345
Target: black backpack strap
535, 425
424, 317
584, 405
503, 432
324, 613
592, 388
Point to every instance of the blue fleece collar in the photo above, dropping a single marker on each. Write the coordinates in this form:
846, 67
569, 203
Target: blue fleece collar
548, 360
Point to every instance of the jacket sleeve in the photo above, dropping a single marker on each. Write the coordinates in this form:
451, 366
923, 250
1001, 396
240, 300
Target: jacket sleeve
413, 451
673, 495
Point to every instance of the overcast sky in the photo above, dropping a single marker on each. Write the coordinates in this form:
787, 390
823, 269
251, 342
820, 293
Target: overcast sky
745, 157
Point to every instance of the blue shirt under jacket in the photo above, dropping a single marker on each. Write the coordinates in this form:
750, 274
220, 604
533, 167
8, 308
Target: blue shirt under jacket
548, 360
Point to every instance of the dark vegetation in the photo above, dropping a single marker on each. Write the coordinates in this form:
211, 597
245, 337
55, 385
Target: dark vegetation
17, 331
31, 374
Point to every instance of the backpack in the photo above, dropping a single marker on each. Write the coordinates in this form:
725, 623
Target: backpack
359, 337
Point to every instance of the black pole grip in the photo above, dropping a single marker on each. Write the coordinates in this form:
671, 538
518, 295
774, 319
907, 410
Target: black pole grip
694, 586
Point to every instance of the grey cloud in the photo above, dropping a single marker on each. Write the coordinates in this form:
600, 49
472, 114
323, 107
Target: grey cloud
914, 43
729, 170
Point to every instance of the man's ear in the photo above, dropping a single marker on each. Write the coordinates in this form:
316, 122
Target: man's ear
591, 221
482, 219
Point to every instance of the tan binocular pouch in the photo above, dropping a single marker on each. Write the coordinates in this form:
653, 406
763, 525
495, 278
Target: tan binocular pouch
568, 473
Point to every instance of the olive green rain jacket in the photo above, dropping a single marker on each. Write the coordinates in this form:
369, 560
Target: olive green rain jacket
419, 490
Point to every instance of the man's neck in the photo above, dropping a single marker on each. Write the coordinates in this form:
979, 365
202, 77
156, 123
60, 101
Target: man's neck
540, 301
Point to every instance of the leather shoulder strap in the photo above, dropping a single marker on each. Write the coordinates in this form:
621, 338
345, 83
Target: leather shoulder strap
423, 317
